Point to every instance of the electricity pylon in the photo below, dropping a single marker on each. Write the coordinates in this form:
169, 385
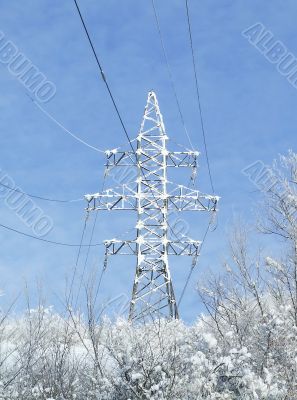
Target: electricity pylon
153, 197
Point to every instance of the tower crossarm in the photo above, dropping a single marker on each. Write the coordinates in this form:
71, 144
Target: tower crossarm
125, 198
117, 158
186, 247
112, 199
185, 199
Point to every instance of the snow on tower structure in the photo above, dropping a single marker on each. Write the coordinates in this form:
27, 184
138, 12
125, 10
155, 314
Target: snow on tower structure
153, 198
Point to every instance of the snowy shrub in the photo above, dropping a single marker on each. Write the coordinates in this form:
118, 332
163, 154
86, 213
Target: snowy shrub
44, 357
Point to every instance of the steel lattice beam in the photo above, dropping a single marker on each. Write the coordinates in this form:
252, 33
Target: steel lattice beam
117, 158
156, 247
181, 199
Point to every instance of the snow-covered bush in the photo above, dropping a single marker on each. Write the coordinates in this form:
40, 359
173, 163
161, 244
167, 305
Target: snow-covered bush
43, 356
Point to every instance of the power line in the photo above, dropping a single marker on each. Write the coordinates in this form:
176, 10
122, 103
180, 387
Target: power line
63, 127
77, 258
89, 247
171, 75
39, 197
46, 240
198, 96
103, 77
194, 264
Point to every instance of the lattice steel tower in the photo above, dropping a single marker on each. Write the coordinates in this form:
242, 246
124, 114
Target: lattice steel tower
153, 197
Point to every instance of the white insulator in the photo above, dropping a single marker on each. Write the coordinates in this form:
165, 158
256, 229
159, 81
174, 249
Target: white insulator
139, 225
110, 152
140, 240
193, 153
141, 258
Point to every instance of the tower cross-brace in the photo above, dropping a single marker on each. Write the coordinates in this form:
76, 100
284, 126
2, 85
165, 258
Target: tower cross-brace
153, 199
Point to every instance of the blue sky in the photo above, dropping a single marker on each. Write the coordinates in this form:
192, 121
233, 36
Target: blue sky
249, 113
